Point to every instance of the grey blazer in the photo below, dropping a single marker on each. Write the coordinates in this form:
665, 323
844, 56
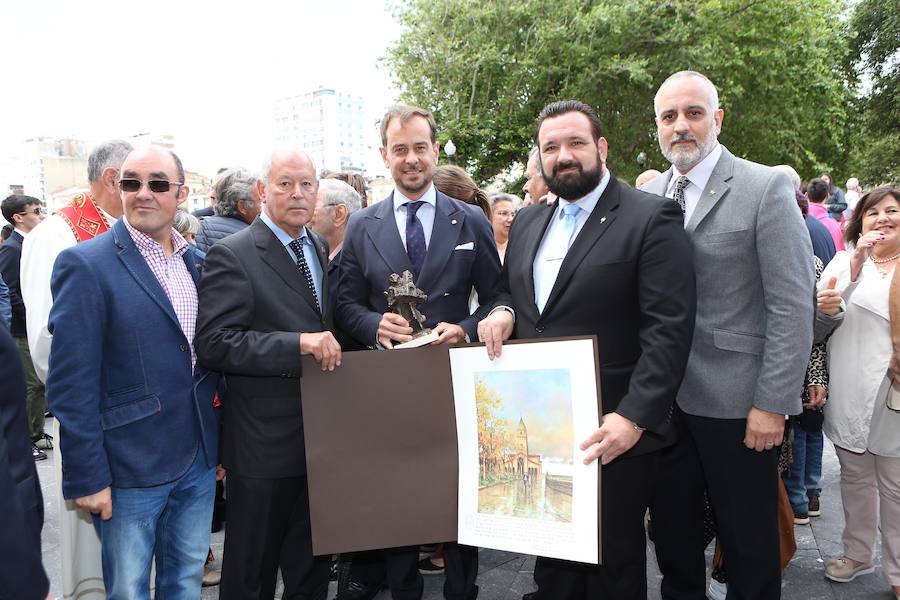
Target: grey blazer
755, 290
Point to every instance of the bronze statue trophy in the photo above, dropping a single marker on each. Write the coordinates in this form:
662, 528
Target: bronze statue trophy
403, 297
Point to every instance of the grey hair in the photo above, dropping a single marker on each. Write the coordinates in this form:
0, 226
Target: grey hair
501, 197
266, 169
185, 222
533, 156
108, 154
791, 173
713, 93
338, 192
234, 186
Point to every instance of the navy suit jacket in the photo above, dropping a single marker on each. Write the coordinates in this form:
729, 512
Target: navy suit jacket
21, 506
10, 257
461, 255
132, 411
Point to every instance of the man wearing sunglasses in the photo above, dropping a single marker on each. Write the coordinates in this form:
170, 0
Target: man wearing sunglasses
24, 213
137, 427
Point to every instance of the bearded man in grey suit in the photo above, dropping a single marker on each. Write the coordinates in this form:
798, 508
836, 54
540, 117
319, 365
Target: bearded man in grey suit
754, 330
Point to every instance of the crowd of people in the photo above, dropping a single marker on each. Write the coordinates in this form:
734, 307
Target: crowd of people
743, 315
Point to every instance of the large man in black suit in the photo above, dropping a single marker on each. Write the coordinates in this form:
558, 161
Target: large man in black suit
21, 507
610, 261
449, 247
263, 302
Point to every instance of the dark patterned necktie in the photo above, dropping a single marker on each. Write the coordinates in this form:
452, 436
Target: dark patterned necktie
680, 183
297, 247
415, 237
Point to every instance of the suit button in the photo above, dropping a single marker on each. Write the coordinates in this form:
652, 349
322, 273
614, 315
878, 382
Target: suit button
183, 348
539, 329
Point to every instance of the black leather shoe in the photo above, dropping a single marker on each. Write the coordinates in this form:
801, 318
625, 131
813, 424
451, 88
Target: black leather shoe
530, 596
357, 590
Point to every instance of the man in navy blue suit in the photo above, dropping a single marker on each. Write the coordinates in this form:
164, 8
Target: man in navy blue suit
137, 427
449, 247
21, 508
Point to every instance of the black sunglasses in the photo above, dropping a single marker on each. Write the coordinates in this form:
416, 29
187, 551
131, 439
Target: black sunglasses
37, 210
157, 186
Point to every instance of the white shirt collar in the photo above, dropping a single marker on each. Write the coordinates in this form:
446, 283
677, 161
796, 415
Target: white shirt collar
429, 197
701, 172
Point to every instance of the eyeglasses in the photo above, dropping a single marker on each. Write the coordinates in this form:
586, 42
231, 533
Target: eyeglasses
37, 210
157, 186
503, 214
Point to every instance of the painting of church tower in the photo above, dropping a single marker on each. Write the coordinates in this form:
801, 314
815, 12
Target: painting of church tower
526, 465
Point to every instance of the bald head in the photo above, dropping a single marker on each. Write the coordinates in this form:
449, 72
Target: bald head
646, 176
710, 91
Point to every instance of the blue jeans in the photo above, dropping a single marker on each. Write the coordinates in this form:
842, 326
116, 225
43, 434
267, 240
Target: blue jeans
169, 521
803, 478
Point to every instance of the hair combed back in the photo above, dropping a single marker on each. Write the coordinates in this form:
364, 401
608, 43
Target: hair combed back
405, 113
233, 187
108, 154
562, 107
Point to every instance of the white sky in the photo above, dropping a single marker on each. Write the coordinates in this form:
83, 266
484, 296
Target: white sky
206, 72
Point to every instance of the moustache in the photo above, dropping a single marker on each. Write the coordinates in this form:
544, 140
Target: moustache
683, 137
566, 165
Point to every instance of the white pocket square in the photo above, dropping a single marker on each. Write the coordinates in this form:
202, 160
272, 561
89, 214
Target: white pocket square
466, 246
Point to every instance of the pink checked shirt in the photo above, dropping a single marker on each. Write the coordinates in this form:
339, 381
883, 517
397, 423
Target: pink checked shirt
174, 277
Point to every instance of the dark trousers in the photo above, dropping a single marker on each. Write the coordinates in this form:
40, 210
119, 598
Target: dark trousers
626, 486
743, 490
400, 568
268, 528
35, 402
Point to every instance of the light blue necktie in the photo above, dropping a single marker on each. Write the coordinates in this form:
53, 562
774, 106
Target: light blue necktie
570, 218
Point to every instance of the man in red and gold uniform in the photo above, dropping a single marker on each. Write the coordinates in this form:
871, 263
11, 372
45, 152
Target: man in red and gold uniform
86, 216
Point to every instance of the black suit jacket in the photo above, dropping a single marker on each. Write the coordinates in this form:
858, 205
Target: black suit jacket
21, 505
628, 279
10, 257
253, 306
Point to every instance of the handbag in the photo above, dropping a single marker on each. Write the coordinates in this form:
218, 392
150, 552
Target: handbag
892, 401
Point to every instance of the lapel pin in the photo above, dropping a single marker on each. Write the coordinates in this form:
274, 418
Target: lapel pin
711, 192
603, 219
453, 222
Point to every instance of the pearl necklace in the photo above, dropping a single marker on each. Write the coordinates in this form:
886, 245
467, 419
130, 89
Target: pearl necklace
884, 260
880, 261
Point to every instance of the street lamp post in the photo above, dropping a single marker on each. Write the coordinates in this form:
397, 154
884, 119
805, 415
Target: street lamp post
450, 149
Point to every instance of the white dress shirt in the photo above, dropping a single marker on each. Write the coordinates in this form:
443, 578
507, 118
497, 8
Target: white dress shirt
309, 251
698, 177
425, 213
39, 251
553, 248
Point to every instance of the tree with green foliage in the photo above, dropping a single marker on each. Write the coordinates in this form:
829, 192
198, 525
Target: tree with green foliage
876, 54
487, 68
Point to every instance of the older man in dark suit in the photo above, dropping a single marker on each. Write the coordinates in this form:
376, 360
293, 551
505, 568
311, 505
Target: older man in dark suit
449, 247
609, 261
264, 302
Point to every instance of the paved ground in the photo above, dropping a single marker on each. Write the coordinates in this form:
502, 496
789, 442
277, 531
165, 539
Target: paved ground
506, 576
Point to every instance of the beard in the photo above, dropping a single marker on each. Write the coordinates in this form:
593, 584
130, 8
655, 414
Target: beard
573, 186
684, 158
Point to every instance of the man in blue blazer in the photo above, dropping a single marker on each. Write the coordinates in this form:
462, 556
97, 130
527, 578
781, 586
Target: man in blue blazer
449, 247
137, 427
